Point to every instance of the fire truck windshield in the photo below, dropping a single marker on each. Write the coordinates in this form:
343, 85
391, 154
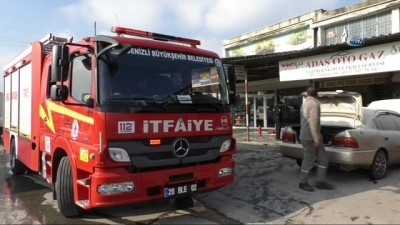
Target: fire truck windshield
158, 80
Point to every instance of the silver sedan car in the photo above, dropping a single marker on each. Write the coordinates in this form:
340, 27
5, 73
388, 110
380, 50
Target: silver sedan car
354, 136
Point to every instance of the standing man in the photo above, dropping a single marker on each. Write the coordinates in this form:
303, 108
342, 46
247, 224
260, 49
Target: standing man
311, 139
278, 120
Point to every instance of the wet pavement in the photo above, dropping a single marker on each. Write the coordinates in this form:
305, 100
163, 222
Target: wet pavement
28, 200
265, 191
264, 137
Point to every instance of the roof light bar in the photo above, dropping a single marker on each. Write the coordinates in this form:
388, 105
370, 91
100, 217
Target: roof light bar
155, 36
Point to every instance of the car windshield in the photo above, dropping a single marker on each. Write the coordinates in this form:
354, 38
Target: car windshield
156, 79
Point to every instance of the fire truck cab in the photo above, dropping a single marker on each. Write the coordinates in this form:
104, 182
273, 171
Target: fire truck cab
122, 119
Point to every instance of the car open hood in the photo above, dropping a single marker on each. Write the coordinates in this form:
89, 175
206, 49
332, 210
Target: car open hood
341, 108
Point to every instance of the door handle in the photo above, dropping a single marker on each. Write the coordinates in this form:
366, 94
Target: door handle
386, 138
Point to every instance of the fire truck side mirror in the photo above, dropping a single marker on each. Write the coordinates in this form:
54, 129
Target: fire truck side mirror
88, 100
59, 63
58, 92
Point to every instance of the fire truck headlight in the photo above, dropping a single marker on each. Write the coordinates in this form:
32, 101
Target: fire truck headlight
116, 188
225, 172
119, 155
226, 145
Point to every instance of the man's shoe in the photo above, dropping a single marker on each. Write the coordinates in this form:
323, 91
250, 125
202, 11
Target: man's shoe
306, 187
324, 185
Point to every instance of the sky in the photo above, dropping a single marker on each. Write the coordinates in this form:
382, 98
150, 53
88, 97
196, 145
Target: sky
210, 21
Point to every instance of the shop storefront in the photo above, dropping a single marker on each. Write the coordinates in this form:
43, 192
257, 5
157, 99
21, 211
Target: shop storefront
372, 70
355, 48
259, 111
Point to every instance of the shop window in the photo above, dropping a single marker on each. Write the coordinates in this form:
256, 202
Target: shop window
372, 26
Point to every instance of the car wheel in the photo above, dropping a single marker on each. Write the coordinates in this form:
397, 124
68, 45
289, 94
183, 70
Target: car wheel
17, 167
379, 165
65, 190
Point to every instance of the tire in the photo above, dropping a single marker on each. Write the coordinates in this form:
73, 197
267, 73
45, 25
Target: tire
184, 202
64, 189
17, 167
378, 167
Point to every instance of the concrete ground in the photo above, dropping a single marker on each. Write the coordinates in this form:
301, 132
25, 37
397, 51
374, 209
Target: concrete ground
254, 136
266, 191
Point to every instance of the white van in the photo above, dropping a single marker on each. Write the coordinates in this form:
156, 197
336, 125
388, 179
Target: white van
388, 104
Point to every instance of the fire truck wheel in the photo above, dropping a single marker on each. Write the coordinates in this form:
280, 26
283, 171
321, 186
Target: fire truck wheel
184, 202
65, 190
16, 166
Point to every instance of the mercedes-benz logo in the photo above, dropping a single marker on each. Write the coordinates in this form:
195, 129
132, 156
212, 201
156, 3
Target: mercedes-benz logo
181, 147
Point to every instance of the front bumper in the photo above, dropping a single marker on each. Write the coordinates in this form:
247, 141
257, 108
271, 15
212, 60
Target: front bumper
150, 185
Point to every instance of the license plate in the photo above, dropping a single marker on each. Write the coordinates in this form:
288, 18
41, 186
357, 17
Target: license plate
175, 191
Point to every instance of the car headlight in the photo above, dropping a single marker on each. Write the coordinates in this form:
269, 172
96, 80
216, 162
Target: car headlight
226, 145
119, 155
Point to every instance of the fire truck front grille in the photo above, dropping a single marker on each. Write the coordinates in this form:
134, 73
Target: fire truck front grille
169, 155
181, 177
135, 169
148, 158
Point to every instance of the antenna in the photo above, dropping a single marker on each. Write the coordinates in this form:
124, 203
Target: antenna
94, 28
116, 17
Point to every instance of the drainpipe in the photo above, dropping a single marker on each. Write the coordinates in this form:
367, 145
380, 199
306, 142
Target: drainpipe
247, 104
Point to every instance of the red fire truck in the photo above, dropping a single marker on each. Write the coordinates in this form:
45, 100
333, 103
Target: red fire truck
122, 119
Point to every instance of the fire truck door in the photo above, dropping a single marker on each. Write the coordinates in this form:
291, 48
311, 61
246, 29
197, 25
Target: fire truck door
77, 120
21, 117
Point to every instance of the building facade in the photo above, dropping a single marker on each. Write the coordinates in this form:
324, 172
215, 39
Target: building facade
355, 48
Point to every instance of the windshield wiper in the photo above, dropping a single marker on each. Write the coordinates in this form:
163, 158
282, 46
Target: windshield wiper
205, 106
169, 99
130, 98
